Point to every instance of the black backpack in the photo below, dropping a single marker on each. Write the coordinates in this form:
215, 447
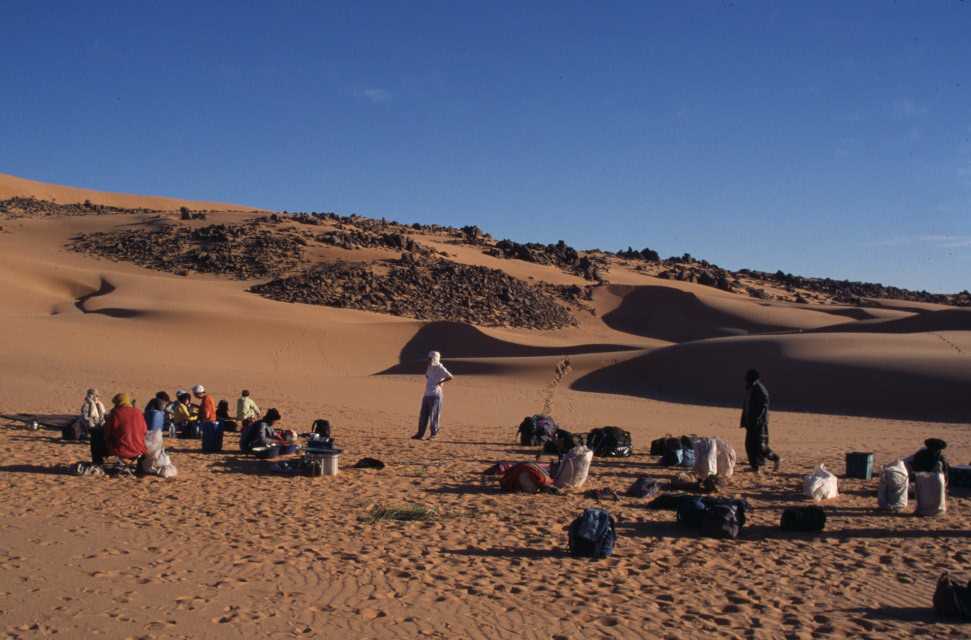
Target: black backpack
321, 428
673, 454
612, 442
691, 512
657, 446
592, 535
722, 520
806, 519
952, 600
536, 430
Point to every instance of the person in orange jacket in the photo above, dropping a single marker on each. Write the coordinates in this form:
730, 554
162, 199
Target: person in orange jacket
125, 428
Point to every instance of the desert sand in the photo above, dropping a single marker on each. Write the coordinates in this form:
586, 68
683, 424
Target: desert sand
228, 550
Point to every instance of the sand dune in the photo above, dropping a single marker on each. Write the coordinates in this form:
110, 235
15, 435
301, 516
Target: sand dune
674, 315
14, 187
918, 376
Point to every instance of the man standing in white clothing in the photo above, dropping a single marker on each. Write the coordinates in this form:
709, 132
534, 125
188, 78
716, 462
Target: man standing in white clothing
431, 403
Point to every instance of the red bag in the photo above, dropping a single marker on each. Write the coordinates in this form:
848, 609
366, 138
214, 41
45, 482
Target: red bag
525, 477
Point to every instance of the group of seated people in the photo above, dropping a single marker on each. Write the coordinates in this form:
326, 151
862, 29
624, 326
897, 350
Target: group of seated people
121, 432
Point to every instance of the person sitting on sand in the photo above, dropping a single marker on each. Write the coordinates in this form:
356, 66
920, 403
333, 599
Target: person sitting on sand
931, 458
184, 414
261, 433
247, 411
93, 411
431, 402
155, 416
124, 432
755, 421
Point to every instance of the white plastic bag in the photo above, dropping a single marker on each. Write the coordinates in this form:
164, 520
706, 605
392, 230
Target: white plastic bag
894, 481
168, 471
726, 458
573, 468
706, 458
931, 493
820, 484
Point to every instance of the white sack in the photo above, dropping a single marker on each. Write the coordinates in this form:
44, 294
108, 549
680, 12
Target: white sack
573, 468
706, 458
931, 493
820, 484
894, 480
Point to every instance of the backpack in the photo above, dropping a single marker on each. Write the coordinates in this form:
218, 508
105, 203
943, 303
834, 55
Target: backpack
687, 457
952, 599
657, 446
611, 442
212, 437
644, 487
722, 520
592, 535
805, 519
525, 477
691, 512
673, 453
321, 428
536, 430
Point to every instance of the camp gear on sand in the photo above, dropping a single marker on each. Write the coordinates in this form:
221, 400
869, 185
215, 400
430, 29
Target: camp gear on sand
212, 437
713, 517
605, 493
265, 453
669, 501
821, 484
592, 535
952, 599
706, 457
931, 493
573, 468
657, 446
959, 475
673, 453
691, 512
894, 484
804, 519
536, 430
75, 431
369, 463
610, 442
644, 487
722, 520
725, 458
526, 477
500, 468
562, 442
859, 464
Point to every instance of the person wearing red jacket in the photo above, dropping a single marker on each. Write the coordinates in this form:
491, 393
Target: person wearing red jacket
125, 429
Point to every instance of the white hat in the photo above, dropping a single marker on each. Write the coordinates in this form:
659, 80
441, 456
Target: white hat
435, 357
198, 389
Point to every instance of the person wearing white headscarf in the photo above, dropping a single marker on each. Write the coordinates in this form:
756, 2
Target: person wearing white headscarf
431, 402
93, 411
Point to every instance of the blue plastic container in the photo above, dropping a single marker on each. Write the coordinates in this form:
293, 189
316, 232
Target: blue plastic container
859, 464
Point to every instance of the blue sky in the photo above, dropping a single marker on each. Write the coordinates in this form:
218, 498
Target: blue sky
820, 138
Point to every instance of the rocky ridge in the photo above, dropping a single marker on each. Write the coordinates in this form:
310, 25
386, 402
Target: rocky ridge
426, 289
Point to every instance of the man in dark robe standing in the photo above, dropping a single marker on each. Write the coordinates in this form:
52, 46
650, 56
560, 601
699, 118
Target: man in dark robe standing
755, 421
